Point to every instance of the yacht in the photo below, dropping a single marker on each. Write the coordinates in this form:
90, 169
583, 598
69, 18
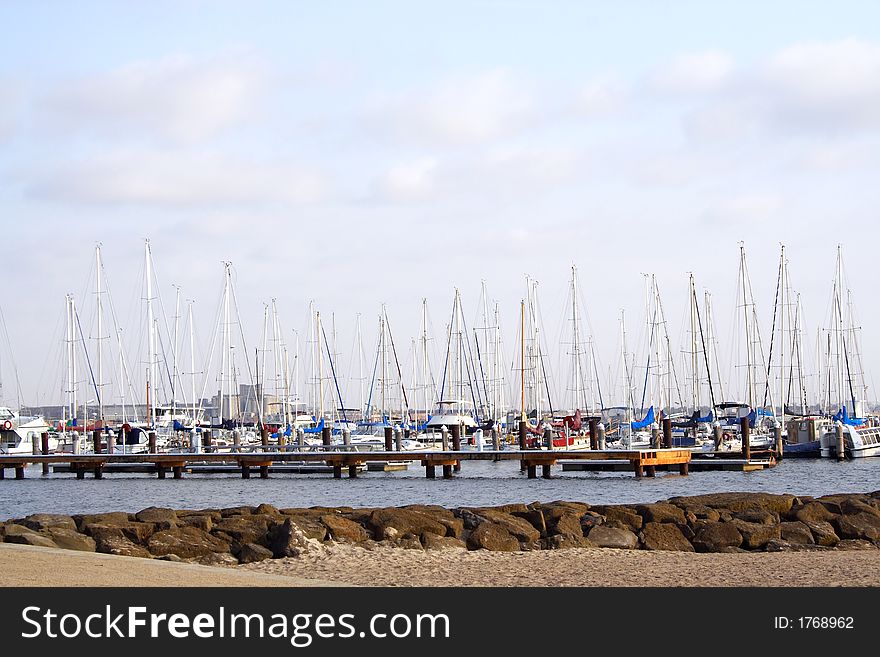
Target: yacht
17, 432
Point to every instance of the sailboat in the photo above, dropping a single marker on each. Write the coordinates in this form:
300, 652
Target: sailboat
846, 379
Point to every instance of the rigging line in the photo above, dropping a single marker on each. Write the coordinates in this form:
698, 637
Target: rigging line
333, 371
705, 353
369, 409
397, 363
772, 332
247, 361
88, 361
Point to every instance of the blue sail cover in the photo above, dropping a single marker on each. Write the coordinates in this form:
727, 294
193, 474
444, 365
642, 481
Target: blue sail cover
841, 416
646, 421
317, 429
708, 419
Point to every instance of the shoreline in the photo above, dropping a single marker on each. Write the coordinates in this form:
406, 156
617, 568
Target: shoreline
722, 539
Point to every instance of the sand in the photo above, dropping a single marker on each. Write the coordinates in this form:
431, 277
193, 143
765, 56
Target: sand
382, 566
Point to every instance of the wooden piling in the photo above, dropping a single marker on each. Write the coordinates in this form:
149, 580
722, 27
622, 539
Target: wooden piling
638, 469
44, 445
496, 443
683, 469
456, 437
2, 474
151, 437
236, 441
352, 471
19, 472
522, 434
600, 437
548, 438
245, 471
444, 438
346, 437
207, 440
841, 444
430, 472
80, 473
264, 438
389, 439
594, 433
650, 470
327, 435
655, 437
178, 471
667, 434
744, 431
532, 471
160, 472
264, 472
96, 442
718, 435
337, 471
447, 472
99, 472
779, 445
545, 470
398, 439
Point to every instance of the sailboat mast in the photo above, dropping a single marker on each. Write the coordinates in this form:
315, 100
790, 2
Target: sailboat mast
227, 336
695, 381
522, 359
151, 336
175, 374
425, 354
320, 365
783, 284
576, 365
383, 347
459, 352
100, 358
192, 359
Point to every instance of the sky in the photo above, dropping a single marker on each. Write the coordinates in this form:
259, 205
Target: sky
358, 154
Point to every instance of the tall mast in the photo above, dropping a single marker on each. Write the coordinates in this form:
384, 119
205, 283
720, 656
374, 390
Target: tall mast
192, 359
360, 352
100, 358
695, 381
71, 359
576, 339
175, 374
459, 351
749, 381
497, 386
425, 355
383, 349
522, 359
783, 283
320, 364
261, 385
151, 336
227, 336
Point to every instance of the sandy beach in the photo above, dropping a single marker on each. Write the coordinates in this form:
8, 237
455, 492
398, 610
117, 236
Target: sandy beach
384, 566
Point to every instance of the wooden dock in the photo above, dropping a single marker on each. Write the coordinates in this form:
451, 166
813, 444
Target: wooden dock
643, 462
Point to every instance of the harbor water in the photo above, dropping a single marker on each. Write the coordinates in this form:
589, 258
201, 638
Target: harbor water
478, 484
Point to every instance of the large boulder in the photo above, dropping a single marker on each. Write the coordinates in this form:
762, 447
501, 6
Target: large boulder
454, 527
21, 535
755, 535
431, 510
251, 553
121, 546
185, 542
858, 526
823, 533
136, 532
760, 516
205, 522
855, 544
42, 521
240, 530
664, 536
796, 533
604, 536
266, 510
713, 536
694, 512
661, 512
735, 502
162, 517
567, 524
344, 530
288, 540
403, 521
812, 512
103, 519
237, 511
517, 527
492, 536
625, 516
70, 539
853, 506
564, 542
434, 542
535, 517
310, 524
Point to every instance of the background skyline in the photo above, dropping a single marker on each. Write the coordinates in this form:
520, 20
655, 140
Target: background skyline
356, 154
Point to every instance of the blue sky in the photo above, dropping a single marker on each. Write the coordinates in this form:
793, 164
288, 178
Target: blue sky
360, 153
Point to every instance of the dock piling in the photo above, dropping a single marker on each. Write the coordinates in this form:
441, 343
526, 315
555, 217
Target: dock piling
594, 433
264, 437
444, 438
352, 471
522, 433
178, 471
19, 472
548, 438
532, 470
337, 471
151, 437
600, 435
389, 439
447, 472
245, 471
160, 472
398, 439
777, 430
430, 472
841, 445
746, 440
545, 470
667, 434
264, 472
327, 436
44, 444
456, 444
206, 441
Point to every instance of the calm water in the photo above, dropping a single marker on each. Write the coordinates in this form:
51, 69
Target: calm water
479, 483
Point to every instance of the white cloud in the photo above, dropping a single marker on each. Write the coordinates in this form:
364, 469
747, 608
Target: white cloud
11, 99
409, 181
172, 178
457, 110
181, 98
694, 73
600, 97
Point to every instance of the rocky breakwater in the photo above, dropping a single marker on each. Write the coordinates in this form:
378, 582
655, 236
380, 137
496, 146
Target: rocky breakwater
722, 522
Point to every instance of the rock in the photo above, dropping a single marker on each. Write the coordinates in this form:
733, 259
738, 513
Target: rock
569, 523
517, 527
21, 535
664, 536
311, 525
712, 536
251, 553
796, 532
823, 533
626, 516
342, 529
243, 529
565, 542
213, 514
121, 546
604, 536
167, 518
858, 526
700, 512
778, 545
589, 520
431, 510
734, 502
554, 510
214, 559
267, 510
170, 557
70, 539
755, 535
853, 506
511, 508
41, 521
103, 519
760, 516
237, 511
454, 527
855, 544
405, 521
288, 540
813, 512
535, 517
661, 512
203, 522
470, 520
434, 542
492, 536
410, 542
185, 542
136, 532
